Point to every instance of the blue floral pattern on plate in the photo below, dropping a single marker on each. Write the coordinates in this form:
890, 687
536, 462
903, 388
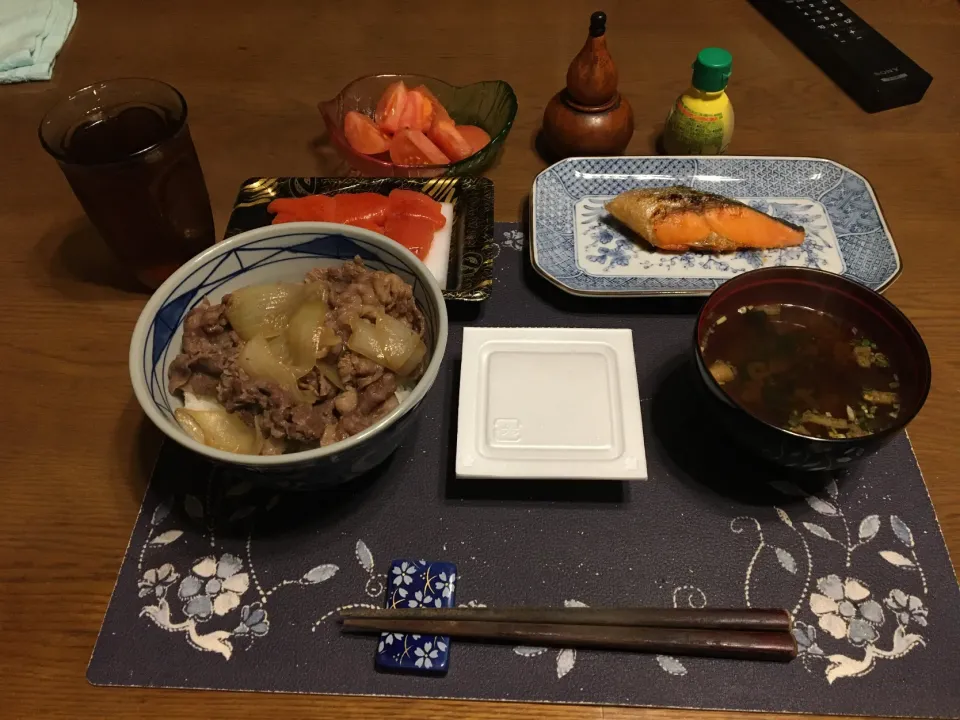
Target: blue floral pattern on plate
576, 246
417, 584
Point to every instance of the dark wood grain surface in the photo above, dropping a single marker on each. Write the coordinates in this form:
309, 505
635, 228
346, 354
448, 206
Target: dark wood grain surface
75, 451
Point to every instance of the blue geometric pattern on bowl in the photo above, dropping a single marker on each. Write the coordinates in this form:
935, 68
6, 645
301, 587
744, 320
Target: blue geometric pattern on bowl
575, 246
279, 257
417, 584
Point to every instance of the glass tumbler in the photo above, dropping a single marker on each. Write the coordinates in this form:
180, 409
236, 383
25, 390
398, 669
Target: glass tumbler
125, 148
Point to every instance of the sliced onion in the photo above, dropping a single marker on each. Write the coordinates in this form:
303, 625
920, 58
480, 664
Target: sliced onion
389, 343
366, 340
258, 361
189, 425
266, 444
307, 333
317, 290
257, 436
224, 431
273, 446
327, 337
406, 344
280, 347
413, 363
330, 372
263, 309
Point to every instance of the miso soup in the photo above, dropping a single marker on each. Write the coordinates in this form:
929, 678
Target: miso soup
803, 370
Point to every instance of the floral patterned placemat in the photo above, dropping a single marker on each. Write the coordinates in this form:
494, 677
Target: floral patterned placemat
232, 586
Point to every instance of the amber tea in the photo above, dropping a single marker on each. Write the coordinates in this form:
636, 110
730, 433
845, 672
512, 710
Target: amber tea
125, 148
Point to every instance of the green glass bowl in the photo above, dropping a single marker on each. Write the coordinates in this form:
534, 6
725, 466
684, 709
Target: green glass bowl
491, 105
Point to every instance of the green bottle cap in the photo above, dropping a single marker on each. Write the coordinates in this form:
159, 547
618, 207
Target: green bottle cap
711, 69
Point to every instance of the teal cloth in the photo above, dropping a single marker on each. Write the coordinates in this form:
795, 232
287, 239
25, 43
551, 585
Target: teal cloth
31, 34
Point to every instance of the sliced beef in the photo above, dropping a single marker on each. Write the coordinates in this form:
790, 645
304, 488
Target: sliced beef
307, 422
369, 404
208, 348
390, 404
346, 401
356, 370
397, 298
354, 288
279, 414
332, 434
376, 393
202, 384
318, 384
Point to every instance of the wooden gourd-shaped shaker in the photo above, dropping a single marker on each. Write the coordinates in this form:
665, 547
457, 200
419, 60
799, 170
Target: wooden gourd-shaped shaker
589, 116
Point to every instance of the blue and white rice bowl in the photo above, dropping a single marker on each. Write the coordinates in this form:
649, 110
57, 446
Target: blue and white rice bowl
282, 253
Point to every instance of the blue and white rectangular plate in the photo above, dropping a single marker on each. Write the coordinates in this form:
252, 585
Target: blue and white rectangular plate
574, 247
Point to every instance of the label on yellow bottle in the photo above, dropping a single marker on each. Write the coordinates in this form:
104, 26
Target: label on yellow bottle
689, 132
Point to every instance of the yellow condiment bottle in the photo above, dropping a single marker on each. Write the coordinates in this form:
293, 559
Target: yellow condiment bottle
701, 120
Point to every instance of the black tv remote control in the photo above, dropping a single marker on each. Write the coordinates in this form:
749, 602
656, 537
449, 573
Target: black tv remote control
869, 68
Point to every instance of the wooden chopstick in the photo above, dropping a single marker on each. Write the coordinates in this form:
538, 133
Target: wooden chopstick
720, 643
742, 619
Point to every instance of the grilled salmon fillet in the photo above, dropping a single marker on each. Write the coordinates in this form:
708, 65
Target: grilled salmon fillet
677, 219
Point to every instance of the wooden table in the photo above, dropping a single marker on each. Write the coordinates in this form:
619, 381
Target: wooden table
76, 451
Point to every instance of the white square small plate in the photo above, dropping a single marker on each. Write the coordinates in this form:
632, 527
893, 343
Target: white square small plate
542, 403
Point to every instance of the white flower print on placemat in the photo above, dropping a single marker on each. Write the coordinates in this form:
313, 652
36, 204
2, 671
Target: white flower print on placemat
253, 620
845, 610
216, 584
156, 581
213, 586
843, 607
567, 657
375, 583
907, 608
513, 239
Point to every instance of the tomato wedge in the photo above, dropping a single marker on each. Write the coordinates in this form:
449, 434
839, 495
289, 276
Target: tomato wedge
446, 137
417, 112
363, 134
412, 147
391, 106
476, 137
438, 109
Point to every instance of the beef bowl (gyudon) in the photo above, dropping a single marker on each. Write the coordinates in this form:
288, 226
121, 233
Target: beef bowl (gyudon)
302, 349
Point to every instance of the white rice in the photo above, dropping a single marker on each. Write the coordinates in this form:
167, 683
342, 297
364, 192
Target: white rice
200, 402
404, 391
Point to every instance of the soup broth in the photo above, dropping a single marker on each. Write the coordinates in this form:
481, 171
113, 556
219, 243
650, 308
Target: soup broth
803, 370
